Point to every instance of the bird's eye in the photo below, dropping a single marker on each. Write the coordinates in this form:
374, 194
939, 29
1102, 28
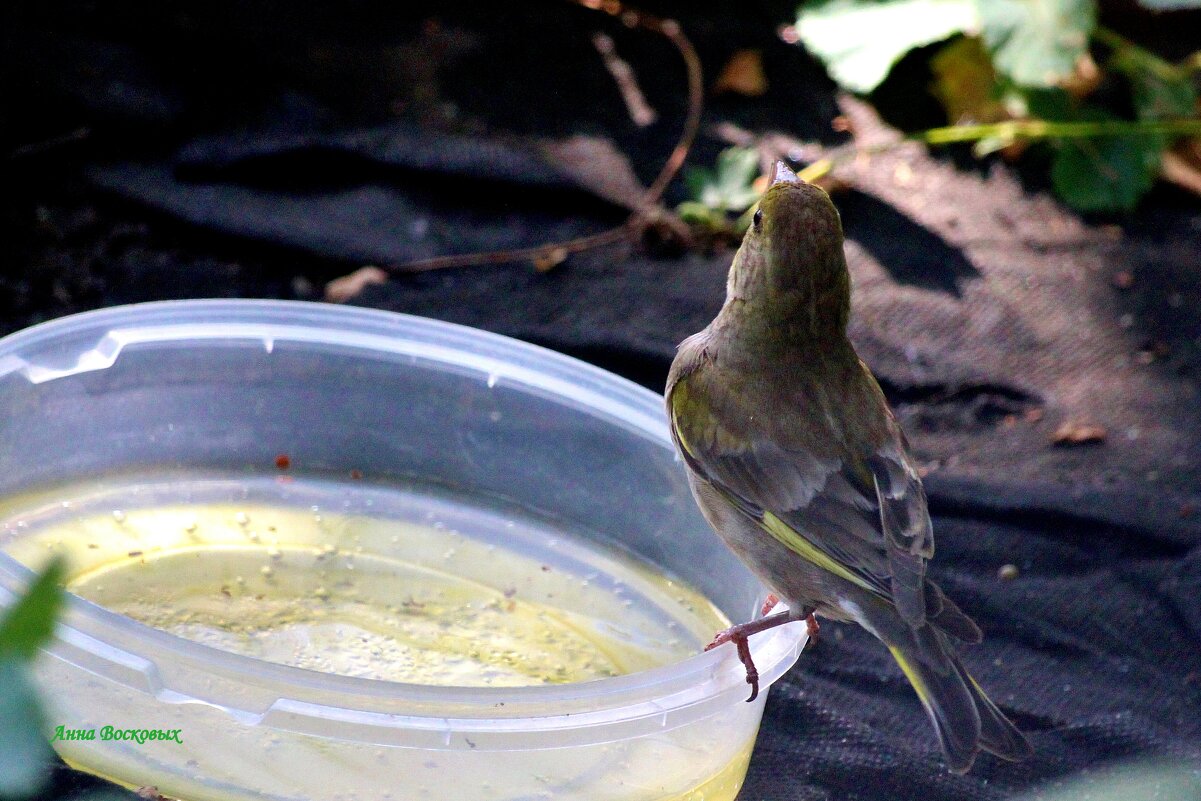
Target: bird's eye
757, 220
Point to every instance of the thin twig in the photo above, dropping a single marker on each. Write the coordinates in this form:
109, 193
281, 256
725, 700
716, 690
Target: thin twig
641, 113
37, 148
557, 251
696, 103
516, 254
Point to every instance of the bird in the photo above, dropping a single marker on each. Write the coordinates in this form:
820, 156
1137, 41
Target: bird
797, 462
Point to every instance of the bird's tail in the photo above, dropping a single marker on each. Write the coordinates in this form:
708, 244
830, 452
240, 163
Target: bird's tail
966, 721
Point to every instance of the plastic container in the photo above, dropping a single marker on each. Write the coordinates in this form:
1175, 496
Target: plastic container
224, 387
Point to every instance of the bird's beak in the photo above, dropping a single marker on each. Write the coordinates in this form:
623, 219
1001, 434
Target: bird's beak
784, 175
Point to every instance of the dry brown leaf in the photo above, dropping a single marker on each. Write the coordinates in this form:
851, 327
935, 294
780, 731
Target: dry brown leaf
595, 164
1182, 165
550, 259
340, 290
965, 82
1084, 80
743, 74
1072, 433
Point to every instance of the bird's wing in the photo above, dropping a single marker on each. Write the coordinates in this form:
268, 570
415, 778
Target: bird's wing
862, 517
905, 524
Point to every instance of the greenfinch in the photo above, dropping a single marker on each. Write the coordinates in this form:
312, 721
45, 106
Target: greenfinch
797, 462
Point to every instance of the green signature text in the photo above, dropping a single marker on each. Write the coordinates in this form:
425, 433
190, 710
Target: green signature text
139, 736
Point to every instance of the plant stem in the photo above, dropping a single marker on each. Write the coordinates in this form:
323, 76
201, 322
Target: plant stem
1012, 129
1042, 129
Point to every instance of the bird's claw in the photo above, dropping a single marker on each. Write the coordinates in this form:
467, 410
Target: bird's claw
742, 643
739, 634
752, 673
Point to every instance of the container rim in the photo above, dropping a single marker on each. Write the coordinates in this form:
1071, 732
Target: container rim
88, 632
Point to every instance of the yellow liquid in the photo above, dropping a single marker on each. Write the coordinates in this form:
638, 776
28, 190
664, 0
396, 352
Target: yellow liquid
358, 590
376, 582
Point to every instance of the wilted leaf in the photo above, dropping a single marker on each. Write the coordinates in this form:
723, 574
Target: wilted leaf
730, 185
1106, 173
1037, 42
743, 74
29, 622
966, 83
860, 40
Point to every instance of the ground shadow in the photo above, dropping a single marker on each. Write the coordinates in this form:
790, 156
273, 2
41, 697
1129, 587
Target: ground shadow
911, 253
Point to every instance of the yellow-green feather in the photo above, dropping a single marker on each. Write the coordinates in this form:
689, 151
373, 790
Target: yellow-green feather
919, 686
790, 539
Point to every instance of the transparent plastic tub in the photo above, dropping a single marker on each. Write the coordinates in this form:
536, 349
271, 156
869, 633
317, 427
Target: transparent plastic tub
169, 392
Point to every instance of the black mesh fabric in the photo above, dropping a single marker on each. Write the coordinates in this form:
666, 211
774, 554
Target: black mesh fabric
1092, 650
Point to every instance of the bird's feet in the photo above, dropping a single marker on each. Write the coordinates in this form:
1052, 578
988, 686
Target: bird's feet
740, 641
739, 636
811, 624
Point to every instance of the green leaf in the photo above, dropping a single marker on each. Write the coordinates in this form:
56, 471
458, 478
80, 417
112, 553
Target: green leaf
25, 752
860, 40
1169, 5
695, 213
1037, 42
1158, 97
30, 621
1108, 173
695, 181
737, 169
1160, 90
1052, 105
728, 187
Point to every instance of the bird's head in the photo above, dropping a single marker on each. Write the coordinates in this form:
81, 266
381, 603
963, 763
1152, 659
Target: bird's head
791, 265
